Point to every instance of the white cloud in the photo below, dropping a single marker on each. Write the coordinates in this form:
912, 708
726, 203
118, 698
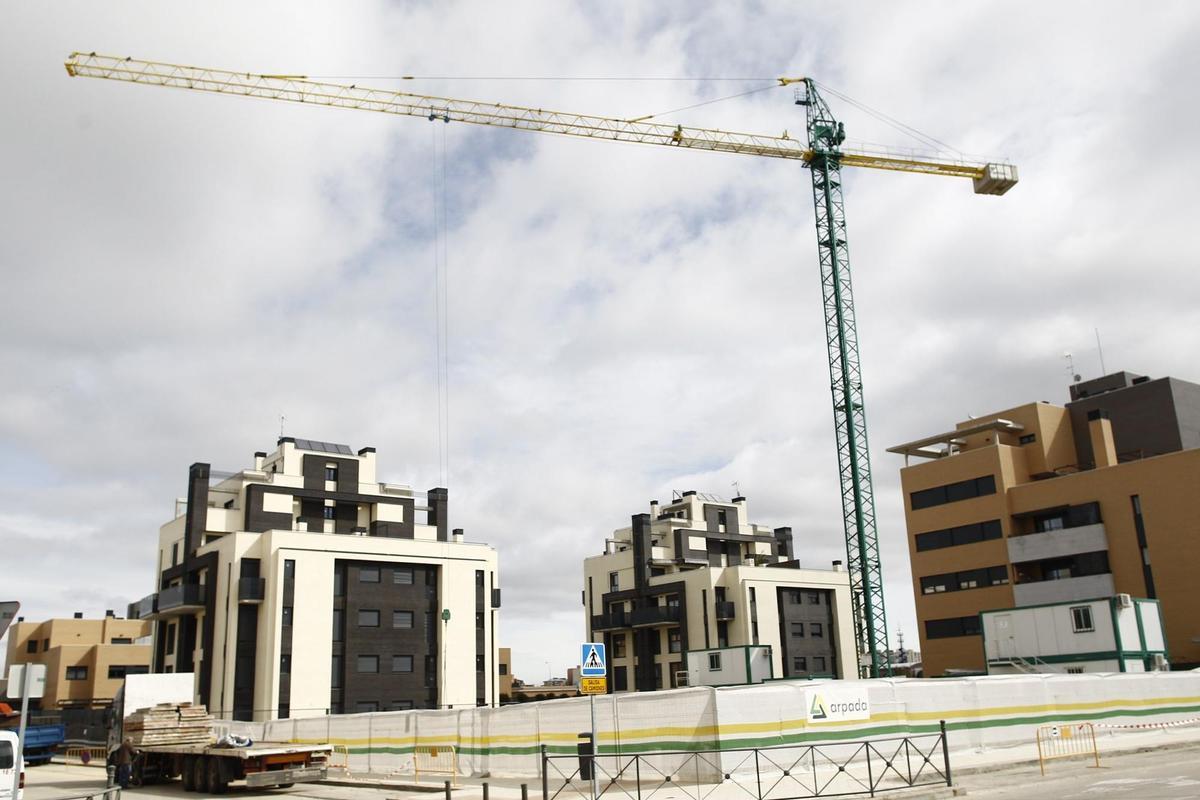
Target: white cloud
179, 270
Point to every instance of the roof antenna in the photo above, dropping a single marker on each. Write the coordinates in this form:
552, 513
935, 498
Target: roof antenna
1075, 376
737, 492
282, 419
1103, 371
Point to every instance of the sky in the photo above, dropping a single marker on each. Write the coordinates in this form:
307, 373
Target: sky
178, 271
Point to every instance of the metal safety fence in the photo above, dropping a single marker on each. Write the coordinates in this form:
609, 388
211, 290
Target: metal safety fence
1066, 741
787, 772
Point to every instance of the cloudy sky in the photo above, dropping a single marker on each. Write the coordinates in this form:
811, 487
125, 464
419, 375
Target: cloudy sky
180, 270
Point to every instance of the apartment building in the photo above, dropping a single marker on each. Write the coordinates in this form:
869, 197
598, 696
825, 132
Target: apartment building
1046, 504
86, 659
696, 575
304, 586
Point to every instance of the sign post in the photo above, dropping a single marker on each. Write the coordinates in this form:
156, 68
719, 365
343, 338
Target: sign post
593, 669
29, 679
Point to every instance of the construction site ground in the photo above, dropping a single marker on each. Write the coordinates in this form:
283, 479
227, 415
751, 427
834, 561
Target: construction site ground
1156, 764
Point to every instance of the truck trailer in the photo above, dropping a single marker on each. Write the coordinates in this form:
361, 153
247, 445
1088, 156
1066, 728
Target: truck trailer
210, 767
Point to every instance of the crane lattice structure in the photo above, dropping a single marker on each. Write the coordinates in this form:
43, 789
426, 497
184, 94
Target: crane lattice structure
823, 153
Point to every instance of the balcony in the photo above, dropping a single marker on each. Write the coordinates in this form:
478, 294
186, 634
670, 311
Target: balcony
724, 611
251, 590
654, 615
185, 598
608, 622
1057, 543
145, 608
1064, 590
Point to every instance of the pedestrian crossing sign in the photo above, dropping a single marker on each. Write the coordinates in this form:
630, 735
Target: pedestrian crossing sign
592, 663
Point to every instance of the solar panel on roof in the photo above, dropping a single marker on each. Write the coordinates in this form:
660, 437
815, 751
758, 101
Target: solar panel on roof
323, 447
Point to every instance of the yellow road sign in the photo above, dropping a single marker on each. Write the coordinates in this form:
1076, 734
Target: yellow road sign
593, 685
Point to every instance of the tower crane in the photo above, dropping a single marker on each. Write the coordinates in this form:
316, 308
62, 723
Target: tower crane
823, 153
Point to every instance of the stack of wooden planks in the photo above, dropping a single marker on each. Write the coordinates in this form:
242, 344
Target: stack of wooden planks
169, 724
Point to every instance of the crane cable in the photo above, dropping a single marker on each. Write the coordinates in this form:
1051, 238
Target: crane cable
441, 302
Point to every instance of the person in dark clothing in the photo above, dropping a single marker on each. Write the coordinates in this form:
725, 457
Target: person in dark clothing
123, 758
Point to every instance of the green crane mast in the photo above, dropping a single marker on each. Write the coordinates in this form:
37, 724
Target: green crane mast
825, 136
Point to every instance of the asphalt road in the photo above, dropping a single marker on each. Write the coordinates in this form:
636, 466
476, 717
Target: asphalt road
1172, 774
1167, 774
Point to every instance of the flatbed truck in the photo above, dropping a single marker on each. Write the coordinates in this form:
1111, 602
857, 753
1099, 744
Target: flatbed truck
208, 768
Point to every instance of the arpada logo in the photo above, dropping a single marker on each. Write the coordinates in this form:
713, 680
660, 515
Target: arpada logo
818, 708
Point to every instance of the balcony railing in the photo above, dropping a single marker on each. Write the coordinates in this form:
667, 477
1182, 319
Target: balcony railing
1063, 590
252, 590
144, 608
654, 615
181, 599
605, 622
724, 611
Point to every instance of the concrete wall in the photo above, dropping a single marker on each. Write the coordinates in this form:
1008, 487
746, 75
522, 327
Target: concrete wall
979, 712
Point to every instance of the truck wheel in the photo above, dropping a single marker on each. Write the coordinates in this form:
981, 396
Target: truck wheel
188, 775
216, 783
200, 775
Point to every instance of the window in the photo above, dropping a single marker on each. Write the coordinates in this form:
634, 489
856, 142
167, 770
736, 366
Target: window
285, 616
1028, 438
673, 601
658, 678
798, 630
122, 640
368, 663
368, 575
793, 598
327, 512
285, 664
953, 492
722, 634
31, 646
335, 681
620, 679
171, 639
174, 553
952, 626
366, 706
503, 669
1081, 619
1074, 670
402, 619
962, 534
77, 673
967, 579
118, 671
800, 664
479, 664
816, 630
818, 663
330, 472
479, 620
721, 519
614, 581
402, 663
618, 645
401, 705
674, 641
339, 626
814, 598
714, 662
655, 642
402, 576
368, 618
1045, 524
7, 758
339, 582
289, 569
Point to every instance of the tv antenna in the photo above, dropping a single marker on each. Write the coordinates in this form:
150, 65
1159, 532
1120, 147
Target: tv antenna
1075, 376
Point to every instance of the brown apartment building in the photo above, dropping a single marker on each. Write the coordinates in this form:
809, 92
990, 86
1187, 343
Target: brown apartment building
1044, 504
86, 659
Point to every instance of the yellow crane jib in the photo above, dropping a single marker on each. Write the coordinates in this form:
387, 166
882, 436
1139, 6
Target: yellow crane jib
990, 178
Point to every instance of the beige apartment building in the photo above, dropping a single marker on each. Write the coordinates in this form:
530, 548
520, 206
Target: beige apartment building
303, 585
1043, 505
697, 576
86, 659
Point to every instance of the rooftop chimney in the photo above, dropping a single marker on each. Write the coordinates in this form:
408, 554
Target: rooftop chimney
1104, 450
458, 535
653, 510
259, 457
837, 566
78, 615
108, 612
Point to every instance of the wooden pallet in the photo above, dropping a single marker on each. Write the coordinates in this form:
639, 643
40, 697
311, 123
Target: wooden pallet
169, 724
